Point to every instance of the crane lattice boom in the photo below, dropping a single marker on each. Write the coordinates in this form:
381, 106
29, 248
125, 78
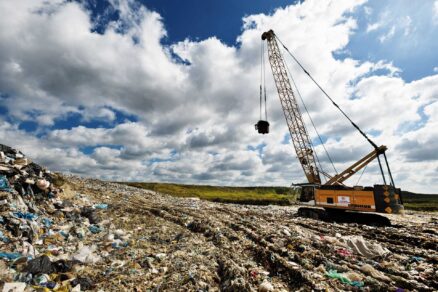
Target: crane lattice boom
294, 119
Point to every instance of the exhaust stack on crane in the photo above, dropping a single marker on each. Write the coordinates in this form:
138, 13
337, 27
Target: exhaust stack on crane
333, 196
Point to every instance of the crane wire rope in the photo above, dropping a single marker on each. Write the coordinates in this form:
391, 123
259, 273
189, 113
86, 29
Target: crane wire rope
311, 144
326, 94
263, 80
357, 183
313, 124
261, 76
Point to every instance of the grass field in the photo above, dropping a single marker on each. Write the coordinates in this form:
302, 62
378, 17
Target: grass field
239, 195
420, 202
264, 195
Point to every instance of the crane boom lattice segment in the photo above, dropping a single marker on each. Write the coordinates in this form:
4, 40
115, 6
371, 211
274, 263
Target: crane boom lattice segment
294, 119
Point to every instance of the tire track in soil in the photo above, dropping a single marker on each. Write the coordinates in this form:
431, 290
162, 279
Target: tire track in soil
394, 274
250, 230
393, 245
271, 259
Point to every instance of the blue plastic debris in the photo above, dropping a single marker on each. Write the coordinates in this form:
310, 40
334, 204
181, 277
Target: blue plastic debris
47, 222
50, 285
9, 255
27, 216
63, 233
101, 206
118, 245
417, 259
4, 184
4, 238
94, 229
357, 284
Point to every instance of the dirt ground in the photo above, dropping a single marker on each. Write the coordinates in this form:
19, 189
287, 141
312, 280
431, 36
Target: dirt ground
181, 244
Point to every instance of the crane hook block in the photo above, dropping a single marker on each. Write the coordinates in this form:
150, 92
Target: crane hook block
262, 127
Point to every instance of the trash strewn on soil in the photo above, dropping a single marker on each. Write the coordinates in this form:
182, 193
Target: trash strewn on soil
65, 233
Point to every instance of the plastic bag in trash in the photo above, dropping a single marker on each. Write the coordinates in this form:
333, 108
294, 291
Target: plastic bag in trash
90, 213
9, 255
368, 269
14, 287
343, 278
27, 216
85, 283
94, 229
4, 184
101, 206
4, 238
86, 255
40, 265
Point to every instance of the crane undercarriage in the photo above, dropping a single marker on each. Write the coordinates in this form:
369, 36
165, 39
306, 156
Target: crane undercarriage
350, 205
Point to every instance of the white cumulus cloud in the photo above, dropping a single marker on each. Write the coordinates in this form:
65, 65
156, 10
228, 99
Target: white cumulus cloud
194, 119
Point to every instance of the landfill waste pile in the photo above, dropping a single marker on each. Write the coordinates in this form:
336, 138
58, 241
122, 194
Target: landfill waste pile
65, 233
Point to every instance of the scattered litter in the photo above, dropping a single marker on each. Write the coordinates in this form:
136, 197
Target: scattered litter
266, 287
101, 206
3, 238
14, 287
9, 255
27, 216
4, 184
65, 233
86, 255
368, 269
47, 222
40, 265
358, 245
94, 229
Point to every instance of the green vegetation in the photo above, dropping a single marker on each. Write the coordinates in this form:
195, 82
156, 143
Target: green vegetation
265, 195
420, 202
238, 195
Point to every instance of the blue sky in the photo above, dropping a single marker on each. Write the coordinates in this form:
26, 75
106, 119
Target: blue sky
411, 46
197, 19
168, 90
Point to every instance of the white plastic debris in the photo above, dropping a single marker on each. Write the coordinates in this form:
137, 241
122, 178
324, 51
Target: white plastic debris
368, 269
43, 184
29, 250
266, 287
160, 256
85, 255
14, 287
363, 247
286, 232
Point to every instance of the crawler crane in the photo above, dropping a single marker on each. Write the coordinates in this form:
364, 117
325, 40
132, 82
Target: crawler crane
330, 199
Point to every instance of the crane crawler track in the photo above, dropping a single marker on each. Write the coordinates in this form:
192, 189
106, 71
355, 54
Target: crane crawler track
341, 216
